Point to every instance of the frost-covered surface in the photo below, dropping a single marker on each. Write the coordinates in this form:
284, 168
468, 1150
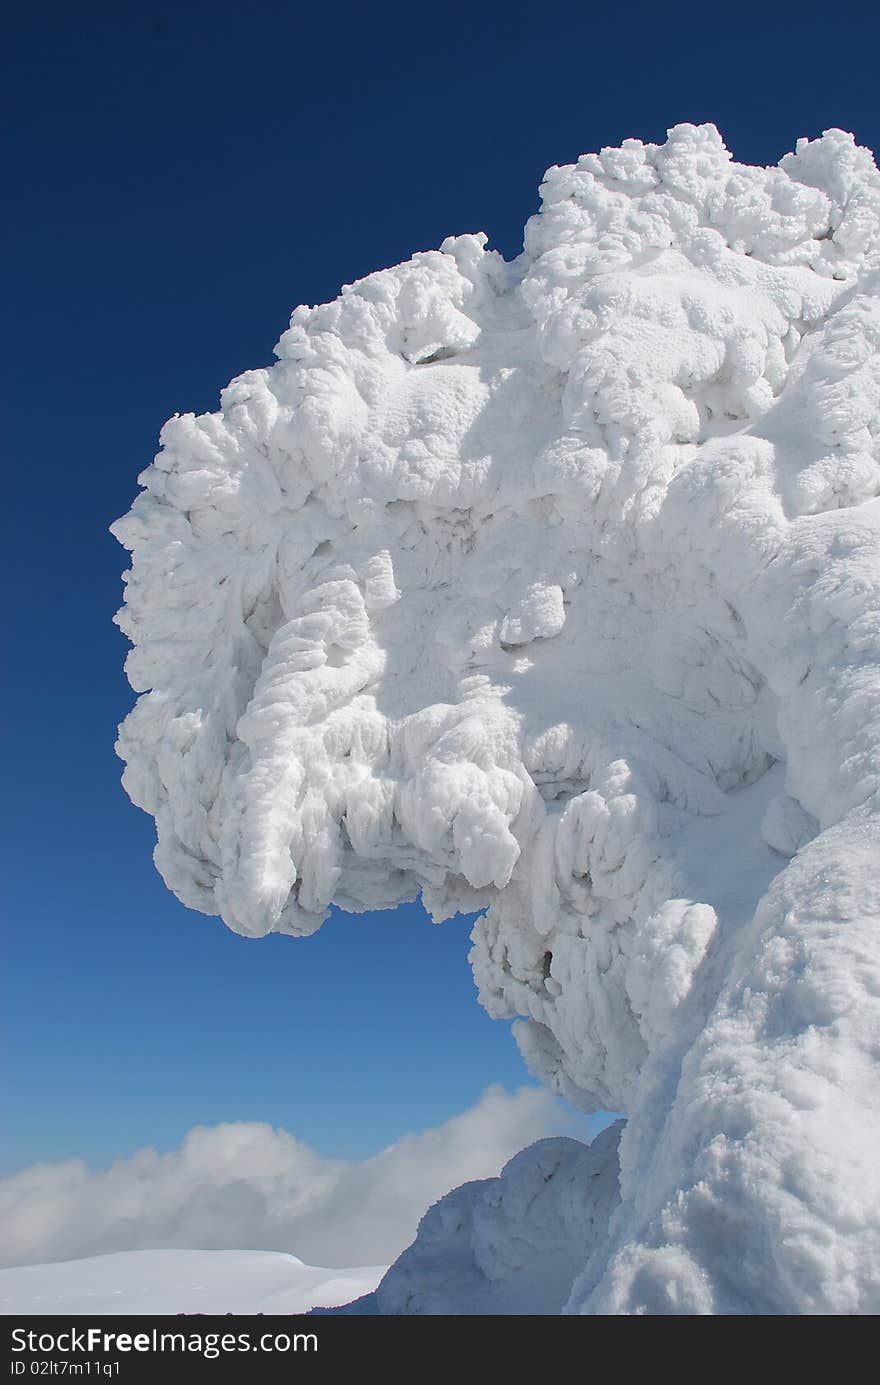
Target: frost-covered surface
511, 1244
178, 1281
550, 588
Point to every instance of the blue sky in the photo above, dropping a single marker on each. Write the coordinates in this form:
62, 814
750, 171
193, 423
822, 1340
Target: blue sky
176, 182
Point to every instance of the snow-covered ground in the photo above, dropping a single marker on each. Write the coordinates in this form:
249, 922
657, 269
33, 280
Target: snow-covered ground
180, 1281
551, 588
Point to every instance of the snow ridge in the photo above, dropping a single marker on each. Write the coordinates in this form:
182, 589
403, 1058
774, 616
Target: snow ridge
550, 588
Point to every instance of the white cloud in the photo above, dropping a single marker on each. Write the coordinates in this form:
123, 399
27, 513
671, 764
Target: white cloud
246, 1185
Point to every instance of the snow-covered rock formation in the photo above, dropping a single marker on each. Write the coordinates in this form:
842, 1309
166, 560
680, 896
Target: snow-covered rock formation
550, 588
512, 1244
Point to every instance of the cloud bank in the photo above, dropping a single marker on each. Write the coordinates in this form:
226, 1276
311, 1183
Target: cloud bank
247, 1185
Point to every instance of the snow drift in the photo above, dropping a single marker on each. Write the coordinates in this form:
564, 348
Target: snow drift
167, 1282
550, 589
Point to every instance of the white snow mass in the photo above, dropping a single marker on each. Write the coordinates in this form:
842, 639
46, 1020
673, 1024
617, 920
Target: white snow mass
167, 1282
550, 588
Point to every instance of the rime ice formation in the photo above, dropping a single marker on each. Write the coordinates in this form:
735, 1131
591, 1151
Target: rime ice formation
550, 588
511, 1244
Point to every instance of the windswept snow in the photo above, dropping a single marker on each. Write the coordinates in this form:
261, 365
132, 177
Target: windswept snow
160, 1282
550, 588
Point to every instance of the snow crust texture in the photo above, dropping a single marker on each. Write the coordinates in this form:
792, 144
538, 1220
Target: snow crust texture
550, 589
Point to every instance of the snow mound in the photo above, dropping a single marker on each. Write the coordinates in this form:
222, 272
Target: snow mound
165, 1282
549, 588
511, 1244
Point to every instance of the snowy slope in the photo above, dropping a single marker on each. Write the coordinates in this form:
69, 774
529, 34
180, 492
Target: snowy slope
551, 588
179, 1281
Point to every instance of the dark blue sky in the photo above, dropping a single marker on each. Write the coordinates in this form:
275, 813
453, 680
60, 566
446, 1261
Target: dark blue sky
176, 181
